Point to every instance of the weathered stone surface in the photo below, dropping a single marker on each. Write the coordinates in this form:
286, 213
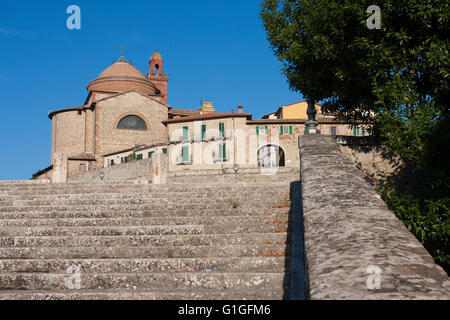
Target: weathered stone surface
203, 240
348, 228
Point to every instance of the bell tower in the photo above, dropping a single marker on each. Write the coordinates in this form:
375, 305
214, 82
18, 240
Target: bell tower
156, 75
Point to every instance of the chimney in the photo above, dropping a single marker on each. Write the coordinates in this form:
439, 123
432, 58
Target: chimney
240, 109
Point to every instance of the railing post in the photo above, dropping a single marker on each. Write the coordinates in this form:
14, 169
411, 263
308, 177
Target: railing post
59, 172
159, 168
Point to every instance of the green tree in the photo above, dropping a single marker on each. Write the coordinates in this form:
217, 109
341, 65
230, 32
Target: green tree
395, 77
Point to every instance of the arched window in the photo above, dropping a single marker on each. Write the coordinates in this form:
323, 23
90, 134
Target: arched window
132, 122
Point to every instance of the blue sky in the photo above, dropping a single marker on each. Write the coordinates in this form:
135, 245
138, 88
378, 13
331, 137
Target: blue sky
213, 50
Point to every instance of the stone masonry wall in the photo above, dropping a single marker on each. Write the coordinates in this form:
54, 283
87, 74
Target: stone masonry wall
373, 159
356, 248
139, 171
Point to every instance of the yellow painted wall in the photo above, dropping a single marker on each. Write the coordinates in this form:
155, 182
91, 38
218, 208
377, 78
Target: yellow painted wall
297, 111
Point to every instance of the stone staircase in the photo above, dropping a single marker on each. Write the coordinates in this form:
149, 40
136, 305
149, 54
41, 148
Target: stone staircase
135, 241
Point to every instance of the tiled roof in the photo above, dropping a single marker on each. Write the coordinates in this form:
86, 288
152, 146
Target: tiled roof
142, 147
51, 114
83, 156
207, 116
182, 112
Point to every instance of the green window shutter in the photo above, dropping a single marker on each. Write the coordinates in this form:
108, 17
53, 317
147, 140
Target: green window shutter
354, 131
164, 150
185, 154
257, 130
139, 157
224, 151
267, 130
306, 130
150, 154
203, 131
281, 130
222, 129
363, 133
185, 133
220, 151
290, 129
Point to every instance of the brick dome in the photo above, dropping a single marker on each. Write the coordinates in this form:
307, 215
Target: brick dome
156, 56
122, 76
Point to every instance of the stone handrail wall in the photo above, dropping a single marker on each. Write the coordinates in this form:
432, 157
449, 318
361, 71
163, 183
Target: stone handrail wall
355, 247
139, 171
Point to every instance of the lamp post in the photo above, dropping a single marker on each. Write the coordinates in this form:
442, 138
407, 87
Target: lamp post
312, 123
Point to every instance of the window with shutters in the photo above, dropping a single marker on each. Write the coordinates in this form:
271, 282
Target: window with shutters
222, 129
139, 157
203, 131
185, 133
333, 131
222, 152
185, 154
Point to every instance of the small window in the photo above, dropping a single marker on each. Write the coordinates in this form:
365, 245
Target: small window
164, 150
333, 131
355, 131
185, 154
185, 133
262, 130
203, 131
132, 122
223, 152
285, 130
222, 129
150, 154
111, 163
82, 167
139, 157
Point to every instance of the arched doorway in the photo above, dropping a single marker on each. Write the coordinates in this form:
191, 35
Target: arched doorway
271, 156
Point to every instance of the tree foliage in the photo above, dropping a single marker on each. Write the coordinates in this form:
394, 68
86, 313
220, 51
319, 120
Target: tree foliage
396, 78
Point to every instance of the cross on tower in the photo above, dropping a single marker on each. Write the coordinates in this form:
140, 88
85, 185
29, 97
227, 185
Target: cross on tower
123, 47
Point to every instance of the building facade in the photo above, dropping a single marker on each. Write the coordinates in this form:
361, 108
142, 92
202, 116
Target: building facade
126, 117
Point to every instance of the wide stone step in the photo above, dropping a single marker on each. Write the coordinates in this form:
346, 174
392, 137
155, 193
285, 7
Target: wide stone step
119, 194
202, 294
142, 230
157, 202
153, 281
143, 205
134, 241
182, 187
196, 251
119, 212
168, 221
206, 264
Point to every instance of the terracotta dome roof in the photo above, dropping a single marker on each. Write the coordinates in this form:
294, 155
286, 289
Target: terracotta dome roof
156, 56
122, 76
121, 69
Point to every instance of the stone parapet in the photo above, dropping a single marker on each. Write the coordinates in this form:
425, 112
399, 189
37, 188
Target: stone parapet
139, 171
356, 248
